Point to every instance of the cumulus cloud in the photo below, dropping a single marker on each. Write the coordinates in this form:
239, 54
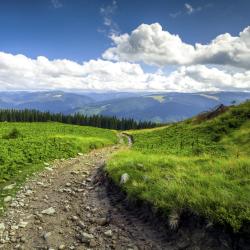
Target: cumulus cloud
18, 72
153, 45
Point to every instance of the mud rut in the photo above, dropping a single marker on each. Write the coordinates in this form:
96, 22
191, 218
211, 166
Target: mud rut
72, 205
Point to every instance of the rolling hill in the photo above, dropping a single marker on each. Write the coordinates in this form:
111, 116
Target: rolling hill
156, 107
163, 107
198, 165
24, 147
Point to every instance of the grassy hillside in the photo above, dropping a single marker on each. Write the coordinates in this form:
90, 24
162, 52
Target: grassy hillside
198, 166
25, 147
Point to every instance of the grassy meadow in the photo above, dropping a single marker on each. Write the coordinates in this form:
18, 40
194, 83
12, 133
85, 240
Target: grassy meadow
200, 166
25, 147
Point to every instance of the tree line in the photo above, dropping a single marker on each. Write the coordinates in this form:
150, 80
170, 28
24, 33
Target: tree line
26, 115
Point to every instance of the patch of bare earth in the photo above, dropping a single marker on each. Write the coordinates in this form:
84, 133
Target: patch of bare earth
67, 207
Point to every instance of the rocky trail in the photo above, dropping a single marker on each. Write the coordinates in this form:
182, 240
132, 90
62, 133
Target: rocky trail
68, 206
72, 205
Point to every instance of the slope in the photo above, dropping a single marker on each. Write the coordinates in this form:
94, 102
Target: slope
197, 166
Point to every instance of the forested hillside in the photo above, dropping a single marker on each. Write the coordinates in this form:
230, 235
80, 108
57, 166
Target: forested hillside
12, 115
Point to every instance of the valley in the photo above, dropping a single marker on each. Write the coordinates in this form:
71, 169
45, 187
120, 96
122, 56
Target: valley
158, 107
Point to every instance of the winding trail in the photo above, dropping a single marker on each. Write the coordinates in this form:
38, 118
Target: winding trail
71, 205
68, 206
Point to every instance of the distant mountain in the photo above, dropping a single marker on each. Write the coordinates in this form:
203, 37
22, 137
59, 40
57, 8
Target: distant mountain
163, 107
53, 101
158, 107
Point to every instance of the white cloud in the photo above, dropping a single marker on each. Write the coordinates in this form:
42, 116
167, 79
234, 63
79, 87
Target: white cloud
18, 72
56, 4
175, 14
107, 13
152, 45
190, 9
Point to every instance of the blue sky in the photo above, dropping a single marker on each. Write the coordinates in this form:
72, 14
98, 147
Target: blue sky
80, 31
70, 30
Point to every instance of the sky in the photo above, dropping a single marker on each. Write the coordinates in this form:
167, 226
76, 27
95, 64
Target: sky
125, 45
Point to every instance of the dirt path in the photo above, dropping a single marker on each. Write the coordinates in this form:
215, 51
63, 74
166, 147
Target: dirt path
68, 206
71, 205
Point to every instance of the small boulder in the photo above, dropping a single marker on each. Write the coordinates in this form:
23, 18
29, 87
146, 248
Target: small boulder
102, 221
85, 237
9, 187
108, 233
7, 199
48, 169
49, 211
2, 227
124, 179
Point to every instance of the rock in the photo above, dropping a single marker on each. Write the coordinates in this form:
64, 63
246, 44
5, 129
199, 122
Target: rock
101, 221
81, 225
67, 208
23, 239
108, 233
46, 164
80, 154
74, 218
68, 184
124, 178
7, 199
47, 235
49, 211
48, 169
9, 187
23, 224
85, 237
28, 192
92, 243
61, 247
2, 228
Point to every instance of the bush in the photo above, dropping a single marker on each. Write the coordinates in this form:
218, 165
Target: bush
13, 134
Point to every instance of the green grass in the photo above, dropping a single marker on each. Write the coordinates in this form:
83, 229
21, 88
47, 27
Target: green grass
202, 167
24, 147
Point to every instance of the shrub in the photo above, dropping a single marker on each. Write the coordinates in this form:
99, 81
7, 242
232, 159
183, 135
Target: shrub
13, 134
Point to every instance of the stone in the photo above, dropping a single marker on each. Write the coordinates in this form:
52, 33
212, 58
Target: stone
80, 154
61, 247
87, 236
48, 169
101, 221
23, 224
7, 199
47, 235
2, 227
49, 211
81, 225
92, 243
28, 192
23, 239
108, 233
9, 187
74, 218
124, 179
